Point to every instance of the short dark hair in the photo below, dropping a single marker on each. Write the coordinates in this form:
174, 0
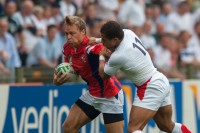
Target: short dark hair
112, 29
51, 26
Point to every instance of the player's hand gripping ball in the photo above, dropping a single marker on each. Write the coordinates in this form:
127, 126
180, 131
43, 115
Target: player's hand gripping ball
67, 68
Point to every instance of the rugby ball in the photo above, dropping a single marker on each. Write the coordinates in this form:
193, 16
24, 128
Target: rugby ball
67, 68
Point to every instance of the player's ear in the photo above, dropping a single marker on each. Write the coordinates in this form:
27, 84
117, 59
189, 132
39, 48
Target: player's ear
83, 31
115, 40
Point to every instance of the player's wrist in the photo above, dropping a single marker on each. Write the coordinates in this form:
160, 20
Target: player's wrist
101, 58
98, 40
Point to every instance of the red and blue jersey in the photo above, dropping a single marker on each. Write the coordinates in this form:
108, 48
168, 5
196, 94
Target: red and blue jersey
85, 61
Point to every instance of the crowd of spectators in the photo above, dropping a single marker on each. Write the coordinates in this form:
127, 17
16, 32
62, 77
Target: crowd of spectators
31, 31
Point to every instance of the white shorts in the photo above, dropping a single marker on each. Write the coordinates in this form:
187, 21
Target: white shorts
113, 105
155, 94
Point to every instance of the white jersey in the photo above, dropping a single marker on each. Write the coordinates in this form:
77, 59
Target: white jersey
131, 58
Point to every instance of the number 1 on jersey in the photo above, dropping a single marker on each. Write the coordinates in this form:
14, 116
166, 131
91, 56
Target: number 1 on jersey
136, 46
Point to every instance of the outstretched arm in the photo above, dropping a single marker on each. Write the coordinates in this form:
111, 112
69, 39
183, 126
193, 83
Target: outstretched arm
102, 55
93, 41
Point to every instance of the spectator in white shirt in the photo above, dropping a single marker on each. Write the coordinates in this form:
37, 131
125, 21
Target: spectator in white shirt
182, 18
147, 38
107, 9
132, 13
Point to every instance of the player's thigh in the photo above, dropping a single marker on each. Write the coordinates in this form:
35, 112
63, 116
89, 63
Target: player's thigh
114, 123
163, 118
116, 127
76, 118
139, 117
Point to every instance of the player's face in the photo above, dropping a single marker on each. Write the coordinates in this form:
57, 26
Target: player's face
74, 35
109, 44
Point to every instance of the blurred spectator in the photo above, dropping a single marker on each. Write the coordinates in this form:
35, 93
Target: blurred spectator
95, 28
62, 39
1, 7
107, 9
164, 17
56, 14
160, 29
195, 44
16, 29
47, 51
131, 13
196, 15
47, 16
61, 33
148, 11
147, 38
163, 58
38, 21
182, 18
47, 2
25, 16
3, 58
187, 51
81, 5
26, 19
68, 8
155, 16
90, 14
8, 45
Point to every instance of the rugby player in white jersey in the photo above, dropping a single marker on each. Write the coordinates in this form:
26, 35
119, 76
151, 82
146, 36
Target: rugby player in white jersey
152, 98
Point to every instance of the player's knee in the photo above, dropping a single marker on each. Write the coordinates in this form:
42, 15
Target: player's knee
69, 128
167, 127
133, 127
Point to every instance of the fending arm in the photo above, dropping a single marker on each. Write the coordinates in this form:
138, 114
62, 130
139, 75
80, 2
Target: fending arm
101, 68
93, 41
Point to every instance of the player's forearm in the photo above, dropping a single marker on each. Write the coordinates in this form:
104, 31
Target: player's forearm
93, 41
44, 62
98, 40
102, 74
4, 55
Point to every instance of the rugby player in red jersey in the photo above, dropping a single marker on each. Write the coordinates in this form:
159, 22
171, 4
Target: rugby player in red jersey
103, 96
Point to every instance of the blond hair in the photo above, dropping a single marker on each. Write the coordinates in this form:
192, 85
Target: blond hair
74, 20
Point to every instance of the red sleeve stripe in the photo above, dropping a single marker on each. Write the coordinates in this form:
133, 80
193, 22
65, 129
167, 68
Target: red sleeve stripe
89, 48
